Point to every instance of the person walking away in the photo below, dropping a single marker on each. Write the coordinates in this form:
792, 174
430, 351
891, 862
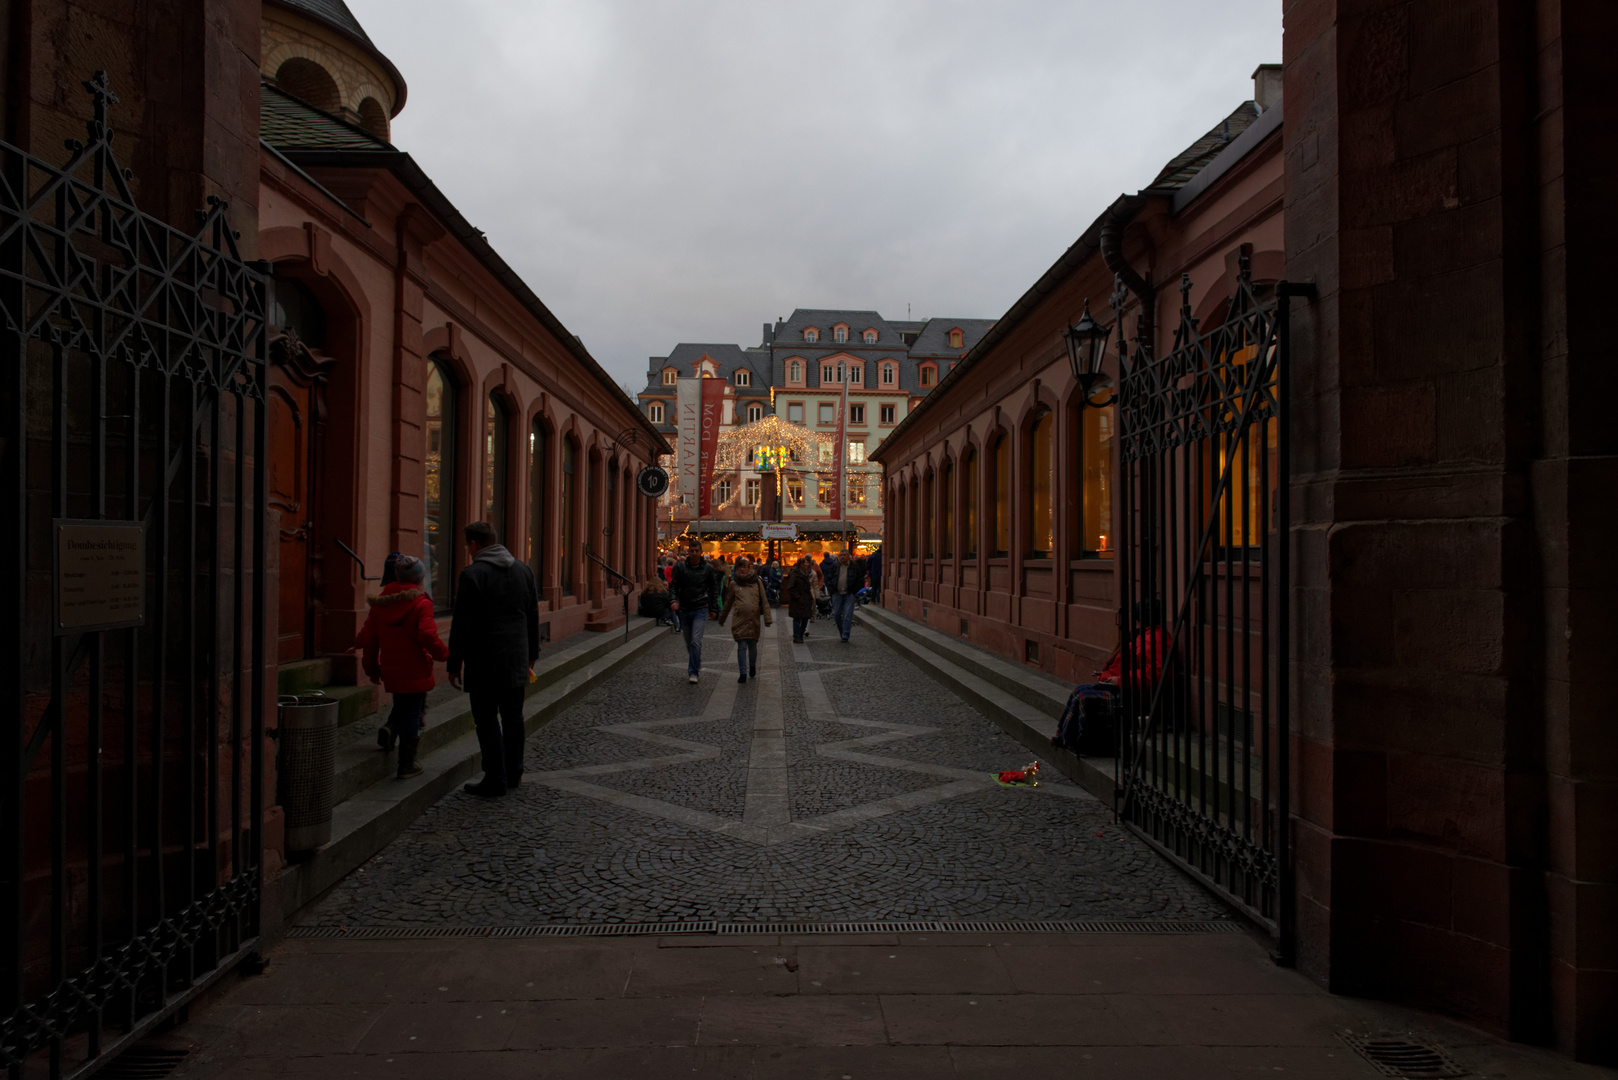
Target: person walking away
746, 604
844, 582
695, 601
495, 641
799, 593
398, 645
873, 570
654, 601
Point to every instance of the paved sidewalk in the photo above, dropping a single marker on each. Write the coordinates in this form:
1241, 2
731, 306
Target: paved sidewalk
767, 1007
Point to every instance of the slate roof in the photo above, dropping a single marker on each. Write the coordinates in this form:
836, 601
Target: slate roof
334, 12
934, 339
789, 334
289, 124
1194, 158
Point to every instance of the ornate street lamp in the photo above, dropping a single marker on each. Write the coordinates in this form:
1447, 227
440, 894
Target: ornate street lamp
1086, 347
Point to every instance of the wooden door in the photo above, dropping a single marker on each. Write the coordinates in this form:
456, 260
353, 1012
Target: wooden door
288, 466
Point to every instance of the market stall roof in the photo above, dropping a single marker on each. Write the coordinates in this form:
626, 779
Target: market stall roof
741, 530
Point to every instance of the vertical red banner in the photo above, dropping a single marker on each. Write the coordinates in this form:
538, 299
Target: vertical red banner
712, 412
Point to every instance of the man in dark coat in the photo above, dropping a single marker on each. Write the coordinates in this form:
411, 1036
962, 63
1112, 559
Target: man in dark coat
495, 639
696, 600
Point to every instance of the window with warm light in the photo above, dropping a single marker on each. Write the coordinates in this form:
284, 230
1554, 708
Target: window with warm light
856, 453
655, 412
856, 492
795, 492
669, 376
825, 496
957, 338
1000, 462
1041, 487
721, 492
825, 453
969, 504
750, 495
1095, 497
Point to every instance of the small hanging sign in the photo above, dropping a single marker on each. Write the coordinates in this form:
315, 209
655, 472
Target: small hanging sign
100, 575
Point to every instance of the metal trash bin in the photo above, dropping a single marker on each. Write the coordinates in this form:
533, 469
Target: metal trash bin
307, 774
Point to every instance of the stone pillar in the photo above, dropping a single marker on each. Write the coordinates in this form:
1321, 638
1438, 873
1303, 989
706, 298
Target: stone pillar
1450, 431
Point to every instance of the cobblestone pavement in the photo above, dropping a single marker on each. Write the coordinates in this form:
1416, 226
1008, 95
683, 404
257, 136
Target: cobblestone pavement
840, 784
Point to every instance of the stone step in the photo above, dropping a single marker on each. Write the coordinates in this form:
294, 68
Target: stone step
604, 619
1025, 703
373, 807
300, 675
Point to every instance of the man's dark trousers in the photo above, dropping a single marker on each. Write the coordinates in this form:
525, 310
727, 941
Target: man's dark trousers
498, 716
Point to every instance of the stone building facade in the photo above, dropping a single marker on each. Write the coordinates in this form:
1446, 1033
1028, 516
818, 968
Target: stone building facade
797, 373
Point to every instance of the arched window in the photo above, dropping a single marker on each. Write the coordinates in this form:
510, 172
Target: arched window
373, 117
840, 335
946, 510
496, 450
795, 371
914, 522
1000, 463
956, 339
811, 335
438, 530
610, 536
1095, 539
929, 517
538, 462
567, 512
870, 337
1041, 518
969, 505
890, 374
309, 82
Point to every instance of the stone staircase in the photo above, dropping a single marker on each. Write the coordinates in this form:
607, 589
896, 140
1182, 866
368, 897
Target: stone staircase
333, 676
372, 807
1024, 701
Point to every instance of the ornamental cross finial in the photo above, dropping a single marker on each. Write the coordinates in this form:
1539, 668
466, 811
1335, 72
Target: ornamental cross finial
101, 93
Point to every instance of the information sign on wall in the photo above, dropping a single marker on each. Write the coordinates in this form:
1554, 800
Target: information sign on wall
100, 575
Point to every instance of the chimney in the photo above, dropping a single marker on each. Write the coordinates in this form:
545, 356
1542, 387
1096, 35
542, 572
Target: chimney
1267, 86
768, 334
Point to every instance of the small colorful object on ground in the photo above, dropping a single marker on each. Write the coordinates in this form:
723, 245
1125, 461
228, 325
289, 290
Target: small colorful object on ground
1027, 776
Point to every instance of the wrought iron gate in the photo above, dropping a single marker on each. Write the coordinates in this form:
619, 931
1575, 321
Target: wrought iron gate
132, 447
1203, 762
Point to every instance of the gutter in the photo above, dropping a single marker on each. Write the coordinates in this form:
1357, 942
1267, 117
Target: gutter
1123, 209
404, 167
312, 182
1268, 122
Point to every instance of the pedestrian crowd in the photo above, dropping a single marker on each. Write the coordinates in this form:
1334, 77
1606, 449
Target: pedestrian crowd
494, 637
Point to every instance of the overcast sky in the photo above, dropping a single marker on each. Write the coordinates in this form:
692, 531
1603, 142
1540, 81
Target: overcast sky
678, 171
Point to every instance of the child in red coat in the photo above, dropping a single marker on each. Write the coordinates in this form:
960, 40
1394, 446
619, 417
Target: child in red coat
400, 642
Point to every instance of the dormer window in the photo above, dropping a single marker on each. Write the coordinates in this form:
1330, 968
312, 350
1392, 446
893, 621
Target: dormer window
795, 371
928, 375
957, 337
655, 413
839, 334
669, 375
811, 335
869, 337
890, 374
744, 377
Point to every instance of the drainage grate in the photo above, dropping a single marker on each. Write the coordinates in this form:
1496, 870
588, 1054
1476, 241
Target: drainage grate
1109, 926
144, 1063
1402, 1056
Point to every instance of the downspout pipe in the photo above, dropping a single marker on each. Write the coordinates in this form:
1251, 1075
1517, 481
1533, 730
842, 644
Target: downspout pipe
1112, 253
